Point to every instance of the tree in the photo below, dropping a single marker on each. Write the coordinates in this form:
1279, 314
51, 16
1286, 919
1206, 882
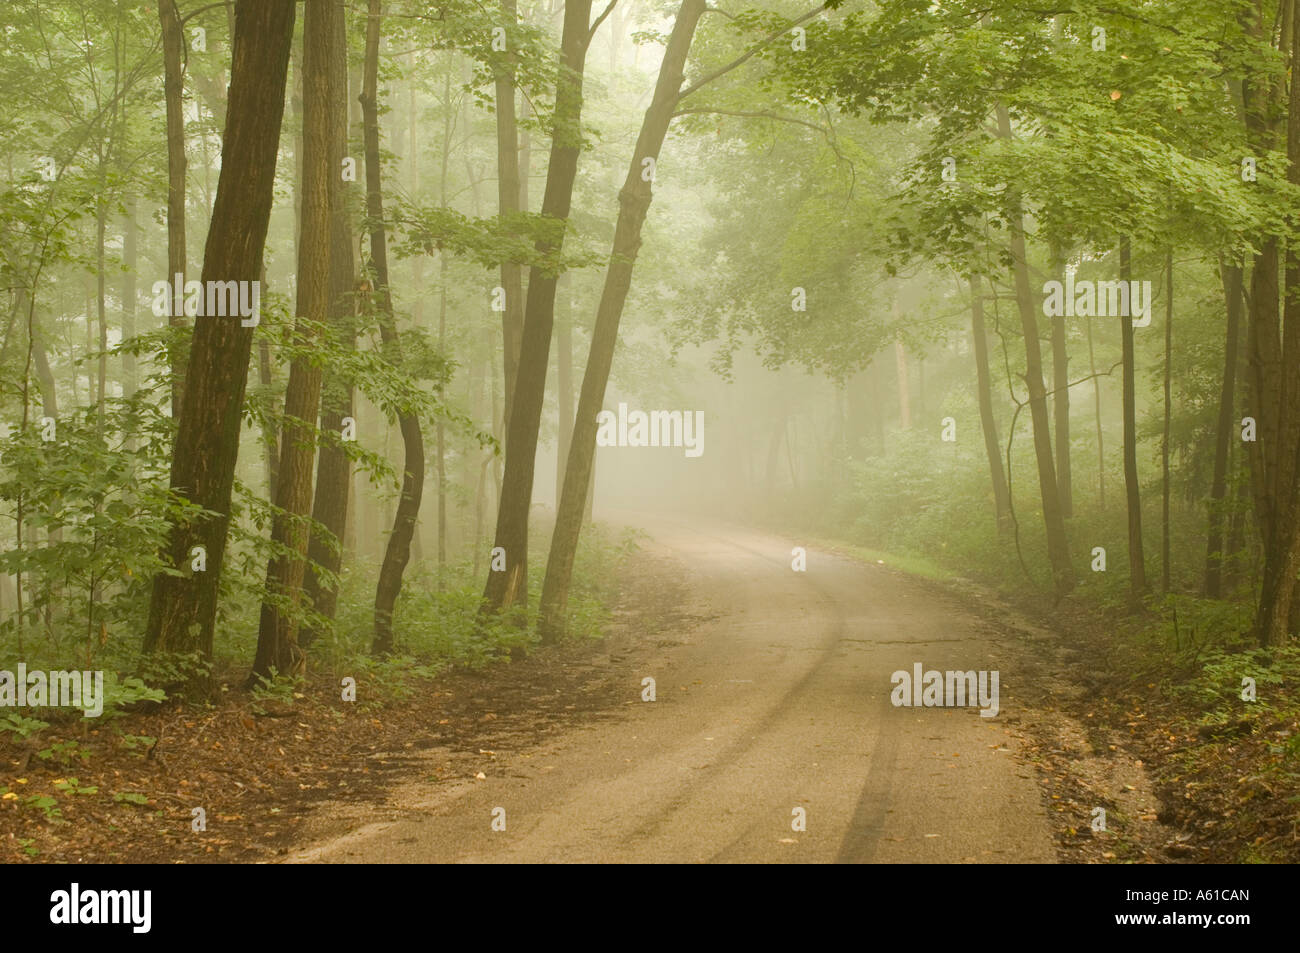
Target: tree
173, 39
988, 423
183, 607
508, 206
333, 471
277, 640
398, 551
634, 202
505, 589
1136, 560
1058, 546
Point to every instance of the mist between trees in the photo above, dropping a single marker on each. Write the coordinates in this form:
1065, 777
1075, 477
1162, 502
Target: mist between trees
1005, 288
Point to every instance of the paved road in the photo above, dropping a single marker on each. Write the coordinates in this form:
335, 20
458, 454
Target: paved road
786, 704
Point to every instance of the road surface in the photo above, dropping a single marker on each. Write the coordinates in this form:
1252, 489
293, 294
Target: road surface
779, 700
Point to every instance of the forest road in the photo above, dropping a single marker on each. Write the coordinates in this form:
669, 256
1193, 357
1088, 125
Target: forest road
778, 698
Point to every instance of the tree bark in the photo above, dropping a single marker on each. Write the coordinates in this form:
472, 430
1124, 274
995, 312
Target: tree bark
1061, 414
1058, 547
1136, 558
333, 468
130, 295
277, 642
505, 589
1279, 387
634, 202
173, 93
1165, 551
1096, 401
983, 381
512, 319
398, 551
1226, 431
182, 610
564, 388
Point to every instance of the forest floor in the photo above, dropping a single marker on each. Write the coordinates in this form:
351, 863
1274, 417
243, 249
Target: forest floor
772, 693
1227, 792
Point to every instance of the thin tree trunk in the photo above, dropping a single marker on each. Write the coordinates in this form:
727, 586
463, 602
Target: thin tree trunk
1136, 558
1096, 400
634, 202
505, 589
1277, 617
441, 434
101, 309
992, 445
333, 468
173, 93
1164, 443
512, 319
271, 435
398, 551
442, 330
182, 610
1058, 547
1061, 414
277, 641
563, 386
130, 295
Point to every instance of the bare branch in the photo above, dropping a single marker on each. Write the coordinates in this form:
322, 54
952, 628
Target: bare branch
193, 13
747, 55
591, 34
826, 130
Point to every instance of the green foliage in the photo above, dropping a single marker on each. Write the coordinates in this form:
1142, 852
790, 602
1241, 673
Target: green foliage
74, 786
20, 727
279, 690
64, 753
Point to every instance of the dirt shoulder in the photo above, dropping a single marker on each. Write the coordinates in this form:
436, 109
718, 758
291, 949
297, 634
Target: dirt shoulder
126, 792
1110, 730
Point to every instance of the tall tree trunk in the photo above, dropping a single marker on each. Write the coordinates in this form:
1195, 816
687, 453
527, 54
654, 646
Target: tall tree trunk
1226, 432
634, 202
1279, 386
447, 128
333, 468
440, 434
1096, 401
1061, 409
277, 640
130, 295
563, 387
505, 589
101, 309
983, 380
1058, 546
512, 319
398, 551
1164, 443
41, 359
271, 435
182, 610
1136, 557
173, 37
